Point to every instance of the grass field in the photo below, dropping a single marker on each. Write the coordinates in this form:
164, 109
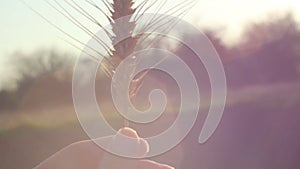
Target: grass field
260, 125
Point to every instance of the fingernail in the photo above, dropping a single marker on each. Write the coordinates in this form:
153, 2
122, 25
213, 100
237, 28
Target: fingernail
128, 132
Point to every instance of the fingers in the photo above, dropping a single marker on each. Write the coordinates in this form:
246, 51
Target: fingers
88, 155
147, 164
143, 150
127, 139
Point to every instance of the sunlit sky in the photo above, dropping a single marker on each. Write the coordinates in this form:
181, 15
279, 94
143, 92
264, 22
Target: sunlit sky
21, 29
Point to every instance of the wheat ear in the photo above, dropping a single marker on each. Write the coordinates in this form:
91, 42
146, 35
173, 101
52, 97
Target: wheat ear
124, 48
117, 9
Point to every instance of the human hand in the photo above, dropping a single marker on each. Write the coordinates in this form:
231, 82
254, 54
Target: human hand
88, 155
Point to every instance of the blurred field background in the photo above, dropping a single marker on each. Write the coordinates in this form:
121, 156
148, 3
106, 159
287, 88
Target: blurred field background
259, 130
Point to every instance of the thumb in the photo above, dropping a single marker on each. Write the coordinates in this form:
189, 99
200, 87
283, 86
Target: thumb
127, 143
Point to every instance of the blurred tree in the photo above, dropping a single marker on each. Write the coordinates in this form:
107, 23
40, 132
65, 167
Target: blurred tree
269, 53
28, 68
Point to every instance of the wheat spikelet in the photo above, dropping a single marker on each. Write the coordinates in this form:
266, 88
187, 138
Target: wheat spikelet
123, 8
124, 48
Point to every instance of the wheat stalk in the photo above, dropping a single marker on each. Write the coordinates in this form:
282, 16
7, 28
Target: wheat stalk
117, 9
124, 48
